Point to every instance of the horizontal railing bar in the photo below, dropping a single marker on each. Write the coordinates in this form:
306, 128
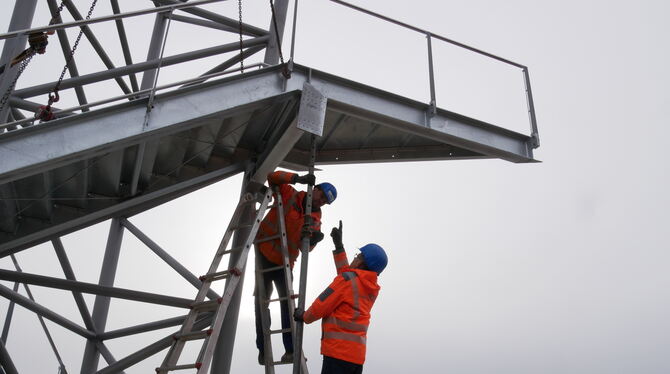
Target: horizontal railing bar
134, 94
60, 26
414, 28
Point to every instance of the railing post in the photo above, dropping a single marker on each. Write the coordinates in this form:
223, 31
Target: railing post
531, 110
431, 76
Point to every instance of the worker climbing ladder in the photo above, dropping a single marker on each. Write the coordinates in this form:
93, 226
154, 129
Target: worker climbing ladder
196, 323
299, 360
265, 301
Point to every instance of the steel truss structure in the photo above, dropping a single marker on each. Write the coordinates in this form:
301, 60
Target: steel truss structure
148, 144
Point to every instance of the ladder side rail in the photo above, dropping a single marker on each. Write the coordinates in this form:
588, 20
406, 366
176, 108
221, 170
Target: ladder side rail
177, 346
299, 357
264, 311
288, 277
231, 285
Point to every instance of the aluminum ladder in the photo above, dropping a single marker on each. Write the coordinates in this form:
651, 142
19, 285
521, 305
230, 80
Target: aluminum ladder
265, 301
196, 323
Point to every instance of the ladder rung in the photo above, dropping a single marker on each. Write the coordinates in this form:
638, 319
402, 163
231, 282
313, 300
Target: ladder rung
279, 331
217, 276
240, 227
207, 305
283, 298
272, 269
193, 335
197, 365
269, 238
225, 252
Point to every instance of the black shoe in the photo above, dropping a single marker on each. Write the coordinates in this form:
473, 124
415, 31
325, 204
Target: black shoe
261, 358
287, 358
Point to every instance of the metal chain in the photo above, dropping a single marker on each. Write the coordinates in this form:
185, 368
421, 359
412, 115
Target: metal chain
74, 47
58, 12
22, 66
241, 47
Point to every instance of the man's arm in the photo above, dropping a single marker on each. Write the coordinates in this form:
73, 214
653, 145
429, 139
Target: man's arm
339, 255
284, 177
324, 305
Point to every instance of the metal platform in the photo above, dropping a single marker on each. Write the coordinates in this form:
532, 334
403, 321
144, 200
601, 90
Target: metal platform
77, 171
88, 166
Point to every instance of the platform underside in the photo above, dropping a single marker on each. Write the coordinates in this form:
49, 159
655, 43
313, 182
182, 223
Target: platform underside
67, 174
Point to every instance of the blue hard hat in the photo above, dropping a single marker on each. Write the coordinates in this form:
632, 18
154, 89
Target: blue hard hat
328, 190
375, 257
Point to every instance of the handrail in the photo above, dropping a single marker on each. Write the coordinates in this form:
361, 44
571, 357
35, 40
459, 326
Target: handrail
535, 141
131, 95
436, 36
60, 26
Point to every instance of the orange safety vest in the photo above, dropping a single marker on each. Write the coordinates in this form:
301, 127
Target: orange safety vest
294, 219
345, 309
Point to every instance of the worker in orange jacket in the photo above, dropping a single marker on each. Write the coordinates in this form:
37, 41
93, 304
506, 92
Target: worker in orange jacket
297, 225
345, 305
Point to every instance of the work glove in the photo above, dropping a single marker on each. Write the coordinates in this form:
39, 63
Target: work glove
336, 234
305, 179
298, 315
316, 237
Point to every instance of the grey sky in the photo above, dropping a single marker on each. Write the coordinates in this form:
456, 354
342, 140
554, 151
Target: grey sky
556, 267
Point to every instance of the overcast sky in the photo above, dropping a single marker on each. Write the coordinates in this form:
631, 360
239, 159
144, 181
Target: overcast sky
554, 267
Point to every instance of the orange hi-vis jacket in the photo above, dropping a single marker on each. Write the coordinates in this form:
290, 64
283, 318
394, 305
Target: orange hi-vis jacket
345, 309
294, 219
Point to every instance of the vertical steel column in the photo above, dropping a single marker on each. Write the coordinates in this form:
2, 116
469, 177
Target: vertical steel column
101, 307
223, 353
431, 77
272, 50
531, 110
22, 18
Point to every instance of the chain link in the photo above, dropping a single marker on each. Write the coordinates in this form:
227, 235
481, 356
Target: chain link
22, 66
241, 47
74, 47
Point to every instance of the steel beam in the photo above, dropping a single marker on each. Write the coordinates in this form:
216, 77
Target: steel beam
96, 44
273, 50
121, 29
149, 350
247, 29
98, 132
204, 23
136, 13
139, 67
129, 207
8, 316
101, 305
6, 363
151, 326
65, 47
22, 17
91, 288
44, 326
69, 275
44, 312
160, 252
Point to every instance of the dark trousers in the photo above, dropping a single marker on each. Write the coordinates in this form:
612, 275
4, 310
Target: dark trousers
276, 277
336, 366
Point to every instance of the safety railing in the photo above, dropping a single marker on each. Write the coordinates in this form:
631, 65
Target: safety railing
430, 36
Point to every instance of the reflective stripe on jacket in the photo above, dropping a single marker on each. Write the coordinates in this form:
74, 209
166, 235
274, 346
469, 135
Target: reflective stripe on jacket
345, 309
294, 218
